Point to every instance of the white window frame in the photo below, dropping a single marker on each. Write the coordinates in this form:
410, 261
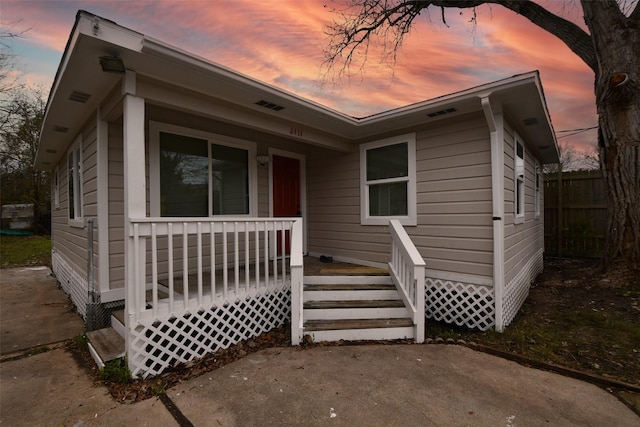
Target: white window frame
155, 128
537, 189
411, 219
78, 198
519, 164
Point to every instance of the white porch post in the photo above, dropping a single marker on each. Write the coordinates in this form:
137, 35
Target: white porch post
495, 122
134, 196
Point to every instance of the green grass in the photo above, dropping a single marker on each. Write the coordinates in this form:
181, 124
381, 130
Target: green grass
21, 251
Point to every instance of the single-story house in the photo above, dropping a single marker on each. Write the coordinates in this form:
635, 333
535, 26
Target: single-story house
192, 196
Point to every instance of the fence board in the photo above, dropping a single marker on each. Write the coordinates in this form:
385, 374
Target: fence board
575, 214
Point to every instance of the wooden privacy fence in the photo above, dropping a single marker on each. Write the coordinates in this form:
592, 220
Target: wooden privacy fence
575, 214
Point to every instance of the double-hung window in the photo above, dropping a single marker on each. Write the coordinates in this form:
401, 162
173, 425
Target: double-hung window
388, 181
202, 174
74, 178
519, 180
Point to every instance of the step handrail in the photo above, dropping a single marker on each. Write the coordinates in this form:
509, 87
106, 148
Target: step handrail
407, 271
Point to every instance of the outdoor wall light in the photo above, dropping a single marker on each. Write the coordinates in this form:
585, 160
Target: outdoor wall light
263, 160
112, 64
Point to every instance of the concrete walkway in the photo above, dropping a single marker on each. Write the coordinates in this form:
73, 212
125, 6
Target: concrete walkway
377, 385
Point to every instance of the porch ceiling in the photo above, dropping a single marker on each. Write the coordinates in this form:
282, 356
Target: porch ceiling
80, 74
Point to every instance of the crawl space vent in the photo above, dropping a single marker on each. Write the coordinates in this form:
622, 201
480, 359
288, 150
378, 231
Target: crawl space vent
441, 112
79, 96
269, 105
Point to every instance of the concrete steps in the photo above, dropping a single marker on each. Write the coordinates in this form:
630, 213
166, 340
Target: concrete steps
108, 343
354, 308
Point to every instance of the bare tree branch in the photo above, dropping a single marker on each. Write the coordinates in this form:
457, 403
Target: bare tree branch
391, 21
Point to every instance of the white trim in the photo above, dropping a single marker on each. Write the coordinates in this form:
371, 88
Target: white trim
112, 295
102, 144
78, 196
495, 121
303, 188
411, 219
459, 277
154, 162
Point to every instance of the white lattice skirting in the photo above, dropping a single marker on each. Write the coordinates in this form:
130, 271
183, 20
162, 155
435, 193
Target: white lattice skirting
463, 304
517, 289
72, 283
162, 343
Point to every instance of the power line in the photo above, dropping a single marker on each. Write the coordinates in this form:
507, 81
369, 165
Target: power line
574, 131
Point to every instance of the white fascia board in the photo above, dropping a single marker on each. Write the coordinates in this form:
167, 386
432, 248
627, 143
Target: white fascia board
110, 32
452, 98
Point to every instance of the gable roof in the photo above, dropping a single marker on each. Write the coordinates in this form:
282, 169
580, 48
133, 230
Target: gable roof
80, 86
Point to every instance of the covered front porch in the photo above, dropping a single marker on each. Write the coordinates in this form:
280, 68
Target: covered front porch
200, 284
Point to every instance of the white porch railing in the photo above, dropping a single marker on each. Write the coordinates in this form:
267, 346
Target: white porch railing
187, 264
407, 270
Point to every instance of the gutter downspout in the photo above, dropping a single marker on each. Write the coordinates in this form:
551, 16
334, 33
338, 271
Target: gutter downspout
496, 129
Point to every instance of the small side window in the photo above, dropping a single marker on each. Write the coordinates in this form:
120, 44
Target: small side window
518, 169
537, 200
74, 178
388, 181
56, 187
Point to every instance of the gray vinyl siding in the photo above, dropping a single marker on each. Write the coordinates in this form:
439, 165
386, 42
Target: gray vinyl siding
116, 206
69, 241
522, 241
334, 209
454, 232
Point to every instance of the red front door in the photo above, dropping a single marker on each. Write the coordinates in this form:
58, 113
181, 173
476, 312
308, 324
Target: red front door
286, 192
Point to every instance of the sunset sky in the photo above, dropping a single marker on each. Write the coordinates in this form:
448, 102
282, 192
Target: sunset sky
281, 43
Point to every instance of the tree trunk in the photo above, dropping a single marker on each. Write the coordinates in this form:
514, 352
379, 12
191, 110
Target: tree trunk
617, 87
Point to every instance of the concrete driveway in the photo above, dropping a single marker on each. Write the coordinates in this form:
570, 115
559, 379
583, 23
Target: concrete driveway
376, 385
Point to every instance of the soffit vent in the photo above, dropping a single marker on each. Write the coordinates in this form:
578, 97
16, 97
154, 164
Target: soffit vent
79, 96
441, 112
50, 151
269, 105
60, 129
529, 121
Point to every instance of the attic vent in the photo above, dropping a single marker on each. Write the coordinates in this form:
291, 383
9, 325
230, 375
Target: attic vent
530, 121
269, 105
441, 112
60, 129
50, 151
79, 96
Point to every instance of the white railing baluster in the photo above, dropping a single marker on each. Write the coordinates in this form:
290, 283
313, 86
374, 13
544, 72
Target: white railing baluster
199, 261
170, 266
283, 251
246, 257
275, 253
257, 245
136, 269
266, 255
236, 261
225, 266
154, 269
185, 264
212, 261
